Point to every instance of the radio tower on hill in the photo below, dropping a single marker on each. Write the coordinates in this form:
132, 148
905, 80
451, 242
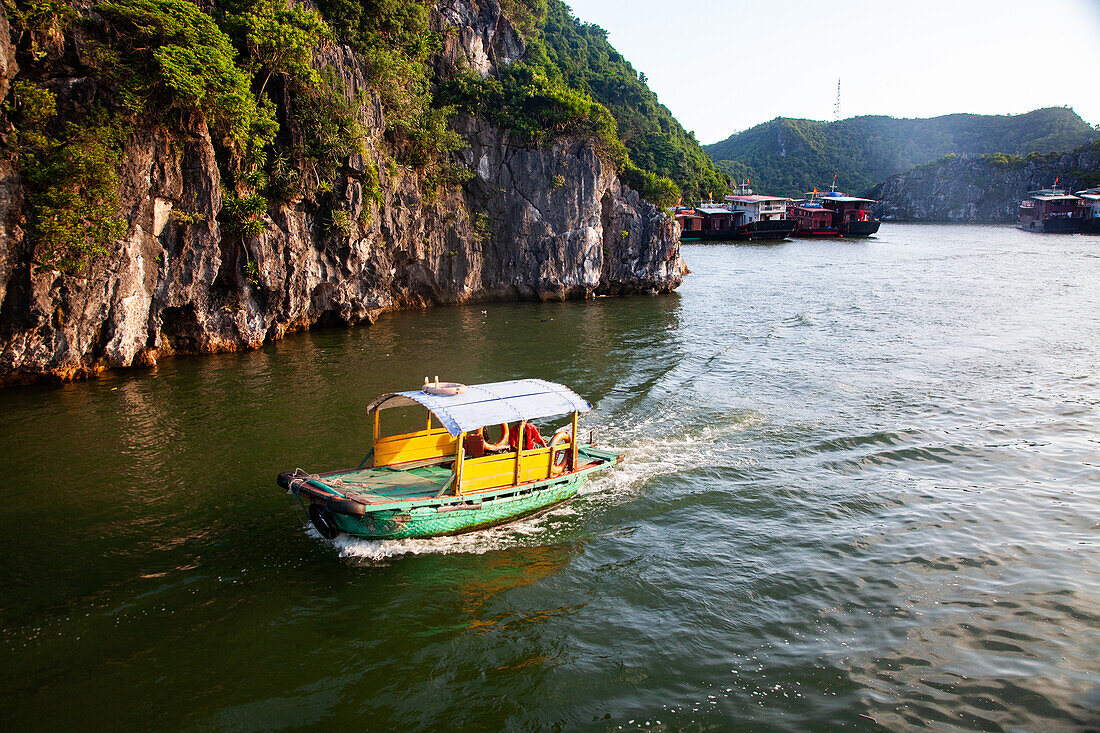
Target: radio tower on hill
836, 107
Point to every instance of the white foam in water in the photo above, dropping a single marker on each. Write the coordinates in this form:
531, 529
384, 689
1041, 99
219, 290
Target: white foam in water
524, 532
650, 455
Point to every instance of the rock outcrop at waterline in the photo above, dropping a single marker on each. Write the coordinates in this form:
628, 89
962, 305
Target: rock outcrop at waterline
549, 222
985, 188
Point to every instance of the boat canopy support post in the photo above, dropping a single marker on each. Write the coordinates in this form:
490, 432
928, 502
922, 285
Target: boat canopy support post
377, 424
460, 459
573, 446
519, 450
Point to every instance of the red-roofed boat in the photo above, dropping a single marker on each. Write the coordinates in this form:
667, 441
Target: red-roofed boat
1052, 211
833, 214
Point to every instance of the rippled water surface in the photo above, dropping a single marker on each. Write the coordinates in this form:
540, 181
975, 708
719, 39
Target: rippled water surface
862, 489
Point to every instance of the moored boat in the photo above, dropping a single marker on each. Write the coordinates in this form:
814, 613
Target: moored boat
811, 219
691, 222
1090, 201
449, 477
1051, 211
833, 214
757, 217
743, 216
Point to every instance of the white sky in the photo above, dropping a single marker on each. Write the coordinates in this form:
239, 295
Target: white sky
722, 67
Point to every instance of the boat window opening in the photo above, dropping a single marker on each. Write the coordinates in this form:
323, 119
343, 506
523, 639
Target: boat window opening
403, 420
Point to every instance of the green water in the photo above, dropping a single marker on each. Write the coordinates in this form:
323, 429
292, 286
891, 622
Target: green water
862, 489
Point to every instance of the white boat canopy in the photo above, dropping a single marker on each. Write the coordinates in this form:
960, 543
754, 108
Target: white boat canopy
845, 199
490, 404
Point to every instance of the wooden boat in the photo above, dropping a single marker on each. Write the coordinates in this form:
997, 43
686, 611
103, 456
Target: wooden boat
812, 219
1051, 211
691, 223
833, 214
1090, 203
449, 477
741, 217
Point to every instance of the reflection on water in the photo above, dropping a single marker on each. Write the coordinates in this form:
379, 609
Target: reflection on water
861, 487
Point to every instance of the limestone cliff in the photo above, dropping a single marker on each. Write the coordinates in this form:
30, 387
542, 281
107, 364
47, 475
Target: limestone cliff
531, 222
985, 188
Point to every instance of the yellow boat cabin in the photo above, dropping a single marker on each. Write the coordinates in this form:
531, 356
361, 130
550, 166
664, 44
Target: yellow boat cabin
478, 460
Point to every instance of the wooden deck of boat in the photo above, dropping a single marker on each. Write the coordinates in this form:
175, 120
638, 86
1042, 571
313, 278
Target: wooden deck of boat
383, 485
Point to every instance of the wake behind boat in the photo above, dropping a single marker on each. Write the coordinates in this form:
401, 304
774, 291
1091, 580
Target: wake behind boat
449, 477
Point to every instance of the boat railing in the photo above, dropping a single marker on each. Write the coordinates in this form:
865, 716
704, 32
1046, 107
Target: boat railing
415, 447
505, 469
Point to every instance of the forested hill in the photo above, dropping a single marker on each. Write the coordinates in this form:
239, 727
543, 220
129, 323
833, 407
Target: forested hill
790, 156
567, 61
656, 141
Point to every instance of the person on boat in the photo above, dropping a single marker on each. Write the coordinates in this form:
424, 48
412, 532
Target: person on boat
533, 438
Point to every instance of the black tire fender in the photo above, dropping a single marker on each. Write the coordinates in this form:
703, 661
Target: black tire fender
322, 522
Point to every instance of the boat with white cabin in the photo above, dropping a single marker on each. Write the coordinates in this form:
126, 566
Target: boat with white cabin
741, 216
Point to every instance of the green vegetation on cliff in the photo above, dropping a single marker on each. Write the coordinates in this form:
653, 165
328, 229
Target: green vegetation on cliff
72, 175
983, 188
1072, 176
248, 71
572, 81
789, 156
657, 143
170, 65
569, 82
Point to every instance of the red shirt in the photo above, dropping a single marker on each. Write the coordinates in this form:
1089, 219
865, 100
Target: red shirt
532, 436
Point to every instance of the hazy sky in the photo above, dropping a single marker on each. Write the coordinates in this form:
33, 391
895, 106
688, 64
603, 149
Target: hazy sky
722, 67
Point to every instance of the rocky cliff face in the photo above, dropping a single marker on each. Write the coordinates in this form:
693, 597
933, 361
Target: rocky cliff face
550, 222
980, 188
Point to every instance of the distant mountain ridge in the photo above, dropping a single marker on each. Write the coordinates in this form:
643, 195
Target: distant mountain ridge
790, 156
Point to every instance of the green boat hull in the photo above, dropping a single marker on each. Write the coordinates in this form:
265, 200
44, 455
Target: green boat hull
448, 519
